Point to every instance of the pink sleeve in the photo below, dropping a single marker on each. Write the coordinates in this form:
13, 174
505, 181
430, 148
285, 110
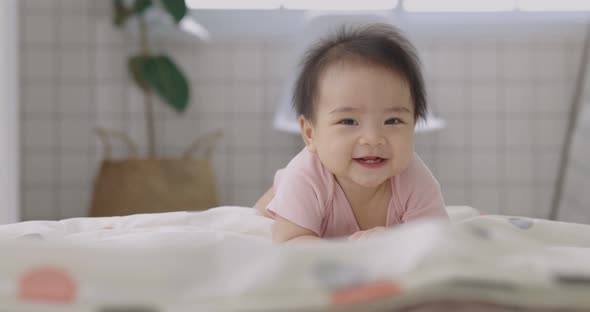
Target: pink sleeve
296, 199
422, 192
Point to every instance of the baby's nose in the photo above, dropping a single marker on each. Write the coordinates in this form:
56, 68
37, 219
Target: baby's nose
372, 137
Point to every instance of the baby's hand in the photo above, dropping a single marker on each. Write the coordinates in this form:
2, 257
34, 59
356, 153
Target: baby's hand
366, 234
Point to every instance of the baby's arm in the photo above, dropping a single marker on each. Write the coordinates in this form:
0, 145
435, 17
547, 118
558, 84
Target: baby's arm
296, 201
282, 229
423, 194
285, 230
263, 201
360, 235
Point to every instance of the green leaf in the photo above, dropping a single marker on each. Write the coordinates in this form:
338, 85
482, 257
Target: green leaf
176, 8
139, 6
134, 65
167, 80
120, 13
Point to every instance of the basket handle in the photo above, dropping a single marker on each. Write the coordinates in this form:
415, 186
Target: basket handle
105, 134
205, 142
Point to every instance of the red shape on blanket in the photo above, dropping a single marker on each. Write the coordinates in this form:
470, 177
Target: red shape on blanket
48, 284
366, 292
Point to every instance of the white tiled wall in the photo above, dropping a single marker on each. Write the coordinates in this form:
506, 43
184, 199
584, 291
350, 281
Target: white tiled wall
505, 100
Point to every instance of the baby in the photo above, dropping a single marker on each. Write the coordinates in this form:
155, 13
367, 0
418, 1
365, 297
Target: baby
359, 94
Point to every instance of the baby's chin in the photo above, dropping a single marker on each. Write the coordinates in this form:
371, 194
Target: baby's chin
375, 180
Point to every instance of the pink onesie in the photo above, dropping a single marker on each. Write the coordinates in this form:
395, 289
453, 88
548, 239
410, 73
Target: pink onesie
307, 194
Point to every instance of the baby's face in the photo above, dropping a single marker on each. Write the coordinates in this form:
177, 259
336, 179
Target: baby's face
363, 130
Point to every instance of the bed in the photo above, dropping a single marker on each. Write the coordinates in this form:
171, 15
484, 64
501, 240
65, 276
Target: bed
223, 260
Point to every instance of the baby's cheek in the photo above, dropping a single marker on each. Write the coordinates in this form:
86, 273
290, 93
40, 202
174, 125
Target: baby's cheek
401, 160
398, 166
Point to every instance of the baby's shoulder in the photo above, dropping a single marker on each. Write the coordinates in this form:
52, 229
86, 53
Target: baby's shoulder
308, 164
306, 167
416, 172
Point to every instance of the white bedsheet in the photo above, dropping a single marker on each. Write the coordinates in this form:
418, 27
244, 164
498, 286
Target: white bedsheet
223, 260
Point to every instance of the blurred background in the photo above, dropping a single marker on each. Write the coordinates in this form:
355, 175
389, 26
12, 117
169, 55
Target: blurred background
503, 76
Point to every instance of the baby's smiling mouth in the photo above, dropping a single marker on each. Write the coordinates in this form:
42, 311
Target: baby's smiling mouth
370, 160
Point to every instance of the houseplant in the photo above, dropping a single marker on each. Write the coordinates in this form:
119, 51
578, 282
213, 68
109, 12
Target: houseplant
153, 73
148, 185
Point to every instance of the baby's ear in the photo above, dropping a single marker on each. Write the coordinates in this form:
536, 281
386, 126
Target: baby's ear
307, 133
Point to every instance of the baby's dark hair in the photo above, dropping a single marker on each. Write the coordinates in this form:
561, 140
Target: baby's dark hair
379, 44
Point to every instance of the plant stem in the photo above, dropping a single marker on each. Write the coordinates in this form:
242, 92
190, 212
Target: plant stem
147, 93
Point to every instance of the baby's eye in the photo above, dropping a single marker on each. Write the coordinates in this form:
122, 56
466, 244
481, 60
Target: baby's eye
393, 121
348, 122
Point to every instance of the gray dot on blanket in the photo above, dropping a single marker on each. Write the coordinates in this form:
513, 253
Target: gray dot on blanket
31, 236
480, 232
574, 280
522, 223
339, 275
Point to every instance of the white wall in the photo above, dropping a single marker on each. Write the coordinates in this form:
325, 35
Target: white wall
9, 118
